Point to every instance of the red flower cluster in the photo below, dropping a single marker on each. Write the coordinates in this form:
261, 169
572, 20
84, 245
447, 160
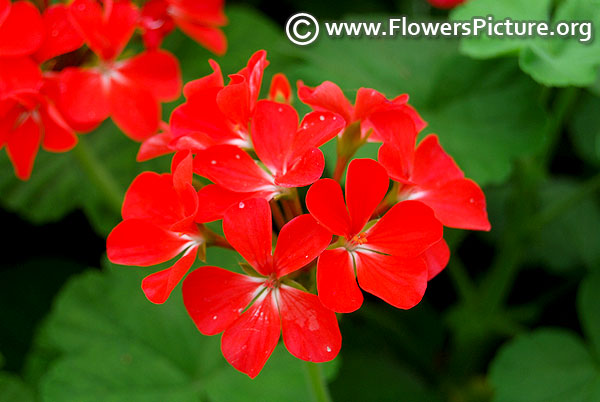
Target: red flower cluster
384, 231
45, 94
445, 4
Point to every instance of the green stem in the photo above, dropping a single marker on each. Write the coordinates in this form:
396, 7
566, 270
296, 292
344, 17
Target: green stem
316, 383
99, 176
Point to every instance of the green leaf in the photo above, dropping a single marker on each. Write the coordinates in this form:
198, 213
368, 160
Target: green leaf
13, 389
117, 346
571, 239
584, 129
588, 302
548, 365
553, 61
485, 113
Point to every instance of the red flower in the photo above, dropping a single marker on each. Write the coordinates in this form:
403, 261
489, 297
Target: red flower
61, 36
384, 256
252, 311
21, 29
198, 19
290, 154
128, 90
28, 121
445, 4
280, 89
158, 225
430, 175
216, 114
329, 97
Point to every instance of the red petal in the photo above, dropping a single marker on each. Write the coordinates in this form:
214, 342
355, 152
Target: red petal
366, 184
326, 97
155, 146
300, 241
211, 38
280, 89
58, 136
248, 343
156, 70
325, 202
214, 297
304, 171
200, 114
436, 258
22, 31
367, 102
152, 197
134, 109
248, 228
138, 242
213, 80
433, 166
310, 331
158, 286
61, 35
457, 204
406, 230
234, 100
398, 134
418, 121
336, 284
4, 10
232, 168
207, 11
315, 130
274, 126
84, 95
106, 32
254, 73
214, 200
22, 147
19, 75
401, 282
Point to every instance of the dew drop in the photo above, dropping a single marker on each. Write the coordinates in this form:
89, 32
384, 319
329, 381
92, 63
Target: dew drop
280, 109
305, 256
472, 200
213, 162
241, 205
328, 349
334, 118
214, 317
322, 118
237, 157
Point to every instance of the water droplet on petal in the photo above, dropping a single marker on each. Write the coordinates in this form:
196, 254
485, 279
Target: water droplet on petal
328, 349
214, 317
472, 200
280, 109
237, 156
241, 205
334, 118
321, 117
213, 162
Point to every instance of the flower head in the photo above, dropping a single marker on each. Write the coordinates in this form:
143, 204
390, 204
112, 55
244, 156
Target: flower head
252, 311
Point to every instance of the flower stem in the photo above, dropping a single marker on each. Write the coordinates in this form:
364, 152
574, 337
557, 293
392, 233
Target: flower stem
340, 166
316, 383
277, 214
99, 176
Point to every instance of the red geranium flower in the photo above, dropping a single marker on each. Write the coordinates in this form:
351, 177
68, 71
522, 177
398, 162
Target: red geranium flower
385, 256
128, 90
198, 19
430, 175
329, 97
290, 154
158, 225
252, 311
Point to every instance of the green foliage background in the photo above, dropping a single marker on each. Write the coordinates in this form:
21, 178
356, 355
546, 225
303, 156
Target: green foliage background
513, 318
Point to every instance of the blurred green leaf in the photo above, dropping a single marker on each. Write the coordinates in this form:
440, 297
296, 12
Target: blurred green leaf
117, 346
553, 61
13, 389
553, 365
571, 238
588, 306
485, 113
549, 365
584, 129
